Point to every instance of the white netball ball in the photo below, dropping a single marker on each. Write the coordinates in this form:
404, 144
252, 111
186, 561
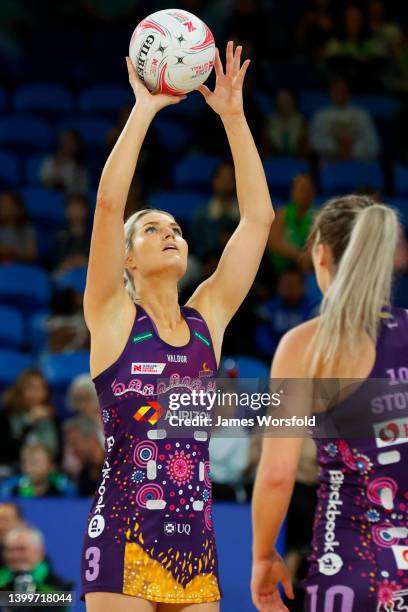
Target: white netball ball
172, 51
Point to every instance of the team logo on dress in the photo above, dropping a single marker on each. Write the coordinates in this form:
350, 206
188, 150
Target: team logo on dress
330, 564
389, 433
169, 528
147, 368
401, 556
205, 371
150, 413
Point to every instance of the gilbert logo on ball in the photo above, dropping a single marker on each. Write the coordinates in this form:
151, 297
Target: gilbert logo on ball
172, 51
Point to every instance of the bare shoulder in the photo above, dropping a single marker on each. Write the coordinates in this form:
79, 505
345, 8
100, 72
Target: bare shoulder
200, 301
290, 359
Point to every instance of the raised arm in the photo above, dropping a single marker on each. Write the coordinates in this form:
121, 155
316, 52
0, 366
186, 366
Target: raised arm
222, 294
107, 254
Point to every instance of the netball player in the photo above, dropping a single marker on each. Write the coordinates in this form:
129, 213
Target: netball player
360, 555
149, 543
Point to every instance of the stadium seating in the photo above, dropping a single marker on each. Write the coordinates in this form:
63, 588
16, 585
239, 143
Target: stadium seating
12, 363
105, 99
11, 327
44, 206
32, 168
49, 98
195, 171
73, 279
172, 135
61, 368
280, 172
343, 176
23, 132
9, 169
245, 367
378, 106
3, 101
312, 101
93, 129
181, 204
24, 286
37, 333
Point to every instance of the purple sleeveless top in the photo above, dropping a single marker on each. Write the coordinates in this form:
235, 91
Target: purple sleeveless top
360, 546
150, 531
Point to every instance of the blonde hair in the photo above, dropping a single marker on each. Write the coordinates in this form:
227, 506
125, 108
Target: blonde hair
129, 233
362, 235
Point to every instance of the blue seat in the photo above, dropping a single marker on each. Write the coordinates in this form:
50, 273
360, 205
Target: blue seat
73, 279
24, 286
25, 131
401, 179
49, 97
92, 129
12, 363
196, 171
265, 102
37, 332
32, 168
9, 169
313, 292
312, 101
105, 99
44, 206
280, 171
344, 176
60, 368
181, 204
244, 366
378, 105
173, 136
11, 327
3, 100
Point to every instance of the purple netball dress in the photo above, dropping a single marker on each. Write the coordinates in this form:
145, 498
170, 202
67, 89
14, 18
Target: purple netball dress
149, 531
359, 561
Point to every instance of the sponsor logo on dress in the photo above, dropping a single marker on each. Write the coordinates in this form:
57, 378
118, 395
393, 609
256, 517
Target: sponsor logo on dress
150, 413
170, 528
389, 433
142, 337
147, 368
97, 523
401, 556
331, 563
177, 358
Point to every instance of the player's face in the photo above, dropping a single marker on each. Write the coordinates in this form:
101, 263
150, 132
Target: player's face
158, 246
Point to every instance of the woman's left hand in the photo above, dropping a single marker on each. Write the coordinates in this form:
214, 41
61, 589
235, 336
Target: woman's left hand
266, 575
226, 99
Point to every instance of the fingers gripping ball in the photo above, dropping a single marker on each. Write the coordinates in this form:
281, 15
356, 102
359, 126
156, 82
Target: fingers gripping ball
172, 51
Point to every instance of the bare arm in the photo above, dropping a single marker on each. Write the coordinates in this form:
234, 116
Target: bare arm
107, 253
222, 294
275, 479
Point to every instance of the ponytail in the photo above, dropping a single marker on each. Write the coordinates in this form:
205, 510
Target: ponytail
361, 286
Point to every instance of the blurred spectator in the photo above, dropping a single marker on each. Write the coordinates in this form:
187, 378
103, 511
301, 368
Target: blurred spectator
355, 54
83, 400
212, 225
315, 28
291, 227
65, 169
343, 131
387, 32
27, 569
286, 129
229, 459
65, 325
28, 416
83, 439
10, 517
289, 308
39, 476
115, 131
18, 240
71, 244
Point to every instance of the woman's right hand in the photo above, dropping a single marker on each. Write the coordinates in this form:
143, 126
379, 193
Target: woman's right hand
153, 102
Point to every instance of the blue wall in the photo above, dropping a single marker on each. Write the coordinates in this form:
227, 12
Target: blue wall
63, 525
